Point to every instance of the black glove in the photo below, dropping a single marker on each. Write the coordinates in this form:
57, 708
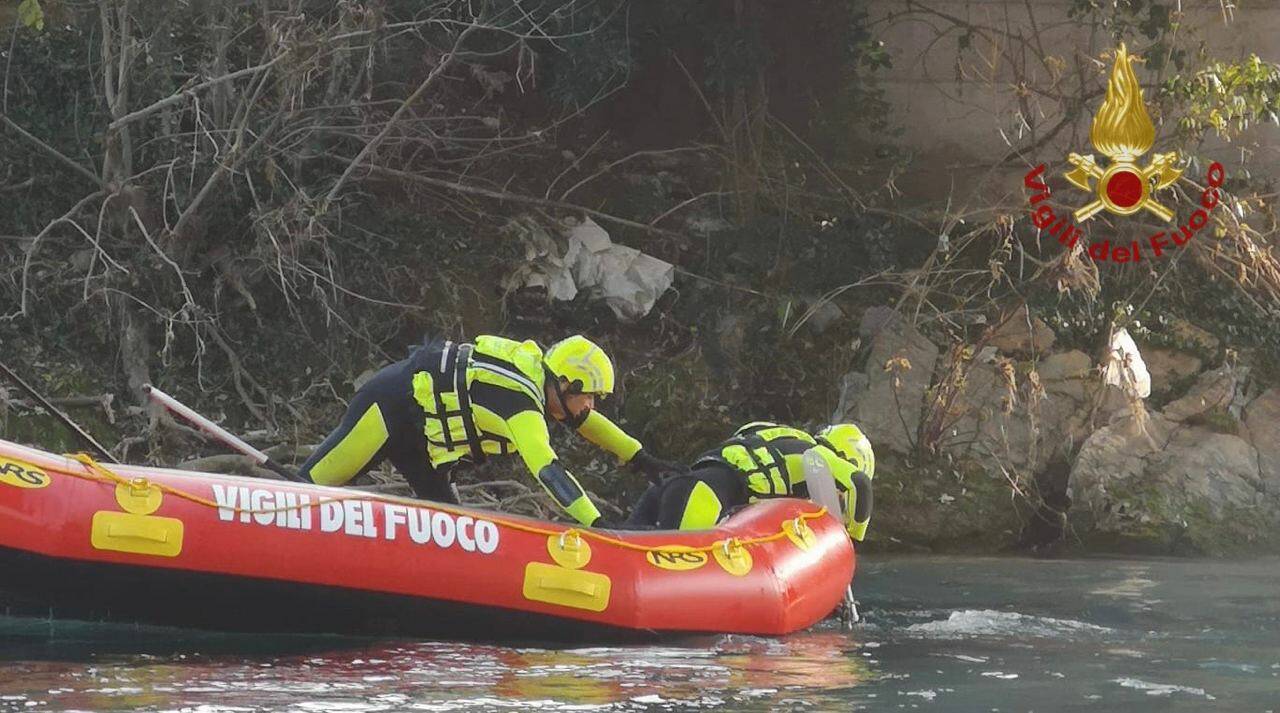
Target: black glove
656, 469
607, 523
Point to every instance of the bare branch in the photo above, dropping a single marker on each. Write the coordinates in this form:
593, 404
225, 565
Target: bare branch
182, 280
8, 65
517, 198
688, 201
435, 73
62, 158
240, 375
232, 161
35, 243
31, 180
614, 164
577, 161
190, 93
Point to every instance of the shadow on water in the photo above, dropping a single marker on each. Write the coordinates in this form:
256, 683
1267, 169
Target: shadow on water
31, 639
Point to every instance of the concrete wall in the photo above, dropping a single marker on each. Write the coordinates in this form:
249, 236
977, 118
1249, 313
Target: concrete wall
963, 119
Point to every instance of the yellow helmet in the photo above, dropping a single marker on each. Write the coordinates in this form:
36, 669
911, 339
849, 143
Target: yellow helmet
582, 363
851, 443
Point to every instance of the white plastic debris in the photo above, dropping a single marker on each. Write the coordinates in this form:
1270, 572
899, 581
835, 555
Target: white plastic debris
544, 265
1126, 369
628, 280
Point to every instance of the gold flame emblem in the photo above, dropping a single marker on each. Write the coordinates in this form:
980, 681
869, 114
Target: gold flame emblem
1122, 131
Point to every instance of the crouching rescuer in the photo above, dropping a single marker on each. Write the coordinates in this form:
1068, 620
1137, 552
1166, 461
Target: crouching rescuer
766, 460
471, 401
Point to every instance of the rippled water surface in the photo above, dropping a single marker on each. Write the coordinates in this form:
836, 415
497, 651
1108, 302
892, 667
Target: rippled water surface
940, 635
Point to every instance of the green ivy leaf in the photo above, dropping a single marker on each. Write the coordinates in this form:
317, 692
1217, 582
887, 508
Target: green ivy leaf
31, 14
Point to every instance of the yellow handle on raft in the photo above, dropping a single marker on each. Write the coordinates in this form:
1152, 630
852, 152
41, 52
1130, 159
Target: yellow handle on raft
566, 587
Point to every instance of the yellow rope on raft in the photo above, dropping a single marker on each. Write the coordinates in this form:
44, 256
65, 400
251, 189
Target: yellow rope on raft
100, 473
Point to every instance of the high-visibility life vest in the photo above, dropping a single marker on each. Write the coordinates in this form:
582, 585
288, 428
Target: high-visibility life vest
771, 459
454, 425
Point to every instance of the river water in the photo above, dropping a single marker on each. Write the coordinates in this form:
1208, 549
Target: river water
939, 634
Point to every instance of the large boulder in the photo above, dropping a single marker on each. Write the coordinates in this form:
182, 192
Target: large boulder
1169, 366
853, 389
1020, 335
962, 507
1066, 370
1262, 427
1192, 337
990, 422
1166, 487
1023, 430
1219, 391
888, 402
821, 315
876, 318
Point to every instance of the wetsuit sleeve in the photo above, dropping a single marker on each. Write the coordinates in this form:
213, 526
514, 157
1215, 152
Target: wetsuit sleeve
533, 443
352, 448
605, 433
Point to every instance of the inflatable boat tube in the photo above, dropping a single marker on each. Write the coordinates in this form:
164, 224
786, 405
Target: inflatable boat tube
83, 540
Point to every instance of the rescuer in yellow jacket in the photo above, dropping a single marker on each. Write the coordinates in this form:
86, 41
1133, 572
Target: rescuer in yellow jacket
457, 402
765, 460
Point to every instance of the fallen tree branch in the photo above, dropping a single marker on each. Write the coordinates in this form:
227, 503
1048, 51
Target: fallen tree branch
481, 487
517, 198
221, 463
284, 452
614, 164
393, 488
62, 158
102, 401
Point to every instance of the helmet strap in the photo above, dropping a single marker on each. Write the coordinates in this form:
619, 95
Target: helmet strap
559, 393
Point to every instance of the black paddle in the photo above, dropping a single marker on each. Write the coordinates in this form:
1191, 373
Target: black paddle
102, 451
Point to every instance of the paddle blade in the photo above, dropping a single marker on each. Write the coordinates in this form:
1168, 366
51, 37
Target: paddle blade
822, 486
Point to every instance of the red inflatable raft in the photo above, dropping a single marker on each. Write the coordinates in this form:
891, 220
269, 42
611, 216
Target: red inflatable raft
84, 540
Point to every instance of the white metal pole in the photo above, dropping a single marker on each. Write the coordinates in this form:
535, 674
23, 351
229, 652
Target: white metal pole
205, 424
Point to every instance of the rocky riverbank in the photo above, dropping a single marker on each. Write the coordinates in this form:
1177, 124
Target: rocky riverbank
1148, 448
